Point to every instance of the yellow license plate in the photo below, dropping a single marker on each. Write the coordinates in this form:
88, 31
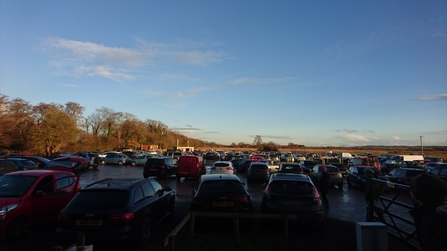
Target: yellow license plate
183, 172
91, 223
293, 202
153, 169
222, 204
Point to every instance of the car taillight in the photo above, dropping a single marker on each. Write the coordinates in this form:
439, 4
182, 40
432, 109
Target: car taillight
267, 192
63, 217
121, 217
316, 195
407, 178
162, 166
229, 168
25, 168
244, 199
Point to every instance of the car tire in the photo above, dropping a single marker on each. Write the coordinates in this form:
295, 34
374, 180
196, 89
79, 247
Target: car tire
143, 235
18, 228
120, 163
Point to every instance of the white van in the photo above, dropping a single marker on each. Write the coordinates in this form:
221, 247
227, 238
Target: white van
397, 158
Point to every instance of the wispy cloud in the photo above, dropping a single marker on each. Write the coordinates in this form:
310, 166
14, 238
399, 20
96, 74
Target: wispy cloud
395, 137
271, 137
80, 58
69, 85
354, 137
347, 130
258, 81
434, 97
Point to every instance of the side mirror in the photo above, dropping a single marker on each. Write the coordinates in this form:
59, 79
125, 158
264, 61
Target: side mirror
39, 194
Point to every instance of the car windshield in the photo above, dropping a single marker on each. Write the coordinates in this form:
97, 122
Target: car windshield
15, 185
291, 187
98, 199
221, 187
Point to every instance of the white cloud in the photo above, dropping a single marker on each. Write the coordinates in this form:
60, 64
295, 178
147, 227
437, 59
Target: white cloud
395, 137
78, 58
434, 97
354, 137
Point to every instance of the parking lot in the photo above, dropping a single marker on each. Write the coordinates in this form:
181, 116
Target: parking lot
345, 204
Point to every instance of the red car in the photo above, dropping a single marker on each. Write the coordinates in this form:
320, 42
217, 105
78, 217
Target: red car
73, 163
33, 197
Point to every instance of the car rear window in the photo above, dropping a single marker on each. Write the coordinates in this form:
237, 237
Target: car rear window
97, 199
221, 164
332, 169
155, 161
259, 167
413, 173
291, 187
221, 187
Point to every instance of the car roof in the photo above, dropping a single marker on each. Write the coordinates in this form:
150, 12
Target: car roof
120, 183
38, 172
289, 176
209, 177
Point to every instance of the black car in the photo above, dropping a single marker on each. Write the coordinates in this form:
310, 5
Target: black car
258, 172
244, 165
440, 171
220, 193
387, 167
162, 167
116, 210
40, 161
343, 169
307, 165
294, 194
290, 168
404, 175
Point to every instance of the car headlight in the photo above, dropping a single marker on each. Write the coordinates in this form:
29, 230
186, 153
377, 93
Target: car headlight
4, 210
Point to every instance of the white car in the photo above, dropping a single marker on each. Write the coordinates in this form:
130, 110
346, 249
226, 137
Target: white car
222, 167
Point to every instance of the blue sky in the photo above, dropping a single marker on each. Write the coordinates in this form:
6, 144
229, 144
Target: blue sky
318, 73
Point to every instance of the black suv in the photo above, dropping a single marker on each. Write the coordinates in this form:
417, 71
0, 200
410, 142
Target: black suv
162, 167
116, 209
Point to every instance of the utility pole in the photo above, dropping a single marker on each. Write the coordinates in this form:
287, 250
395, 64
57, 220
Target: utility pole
422, 147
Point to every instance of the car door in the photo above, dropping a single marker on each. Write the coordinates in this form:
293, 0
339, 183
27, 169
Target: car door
51, 194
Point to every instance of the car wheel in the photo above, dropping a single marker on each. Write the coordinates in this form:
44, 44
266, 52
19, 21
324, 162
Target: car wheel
18, 228
144, 234
120, 163
178, 177
103, 162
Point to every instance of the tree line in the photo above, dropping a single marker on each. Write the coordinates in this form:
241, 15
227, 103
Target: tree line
44, 129
47, 128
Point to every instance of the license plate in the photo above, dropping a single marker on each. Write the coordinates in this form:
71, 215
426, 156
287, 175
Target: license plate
153, 169
293, 202
183, 172
222, 204
91, 223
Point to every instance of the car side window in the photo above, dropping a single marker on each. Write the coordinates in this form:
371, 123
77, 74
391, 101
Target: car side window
138, 195
64, 180
148, 190
157, 187
46, 185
